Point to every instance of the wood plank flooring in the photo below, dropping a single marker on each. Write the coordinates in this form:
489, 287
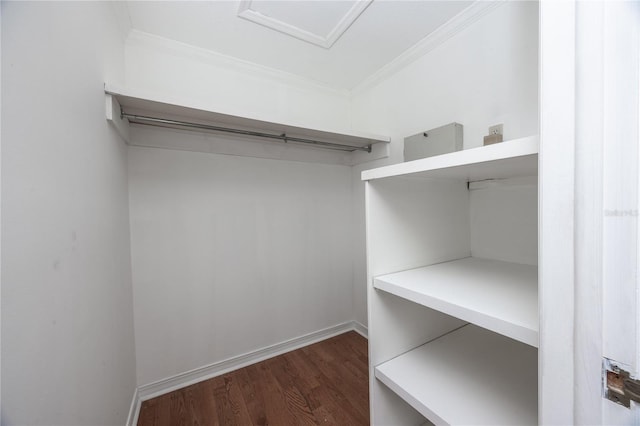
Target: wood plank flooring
324, 383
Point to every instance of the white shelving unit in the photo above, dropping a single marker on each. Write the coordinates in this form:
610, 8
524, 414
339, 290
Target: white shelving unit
426, 360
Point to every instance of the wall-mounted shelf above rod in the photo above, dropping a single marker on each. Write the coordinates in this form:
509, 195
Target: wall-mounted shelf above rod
128, 106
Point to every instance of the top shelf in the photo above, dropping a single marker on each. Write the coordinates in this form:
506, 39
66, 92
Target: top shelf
135, 102
517, 157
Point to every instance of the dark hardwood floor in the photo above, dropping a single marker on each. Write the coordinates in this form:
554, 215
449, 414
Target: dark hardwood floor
324, 383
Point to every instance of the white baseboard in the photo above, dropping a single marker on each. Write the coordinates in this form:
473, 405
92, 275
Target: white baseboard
361, 329
181, 380
134, 410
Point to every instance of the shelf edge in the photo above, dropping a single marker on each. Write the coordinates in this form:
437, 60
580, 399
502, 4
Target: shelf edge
496, 354
513, 148
408, 398
517, 332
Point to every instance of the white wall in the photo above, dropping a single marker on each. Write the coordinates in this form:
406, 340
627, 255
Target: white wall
265, 257
504, 221
232, 254
486, 74
228, 85
67, 320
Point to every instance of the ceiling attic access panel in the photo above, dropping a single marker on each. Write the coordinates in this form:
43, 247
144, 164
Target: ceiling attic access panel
318, 23
234, 134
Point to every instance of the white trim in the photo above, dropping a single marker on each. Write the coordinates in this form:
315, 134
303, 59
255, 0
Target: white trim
556, 213
210, 57
589, 219
113, 116
280, 26
134, 410
169, 384
245, 12
361, 329
447, 30
347, 20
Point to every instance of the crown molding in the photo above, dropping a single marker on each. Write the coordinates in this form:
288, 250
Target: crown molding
443, 33
210, 57
245, 12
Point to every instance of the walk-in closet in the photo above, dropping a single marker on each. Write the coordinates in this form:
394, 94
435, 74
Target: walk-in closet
319, 212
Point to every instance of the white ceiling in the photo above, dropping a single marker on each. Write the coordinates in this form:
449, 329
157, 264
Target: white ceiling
380, 33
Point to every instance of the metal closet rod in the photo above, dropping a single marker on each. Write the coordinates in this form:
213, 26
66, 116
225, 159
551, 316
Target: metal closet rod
282, 137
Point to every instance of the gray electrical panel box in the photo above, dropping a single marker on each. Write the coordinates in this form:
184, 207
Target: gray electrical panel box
440, 140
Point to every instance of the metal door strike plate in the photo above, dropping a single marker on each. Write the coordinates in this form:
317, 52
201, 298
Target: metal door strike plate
619, 386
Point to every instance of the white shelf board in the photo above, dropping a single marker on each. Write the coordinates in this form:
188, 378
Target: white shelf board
136, 102
517, 157
469, 376
499, 296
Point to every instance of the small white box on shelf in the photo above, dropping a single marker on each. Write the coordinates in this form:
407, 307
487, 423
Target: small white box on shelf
441, 140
